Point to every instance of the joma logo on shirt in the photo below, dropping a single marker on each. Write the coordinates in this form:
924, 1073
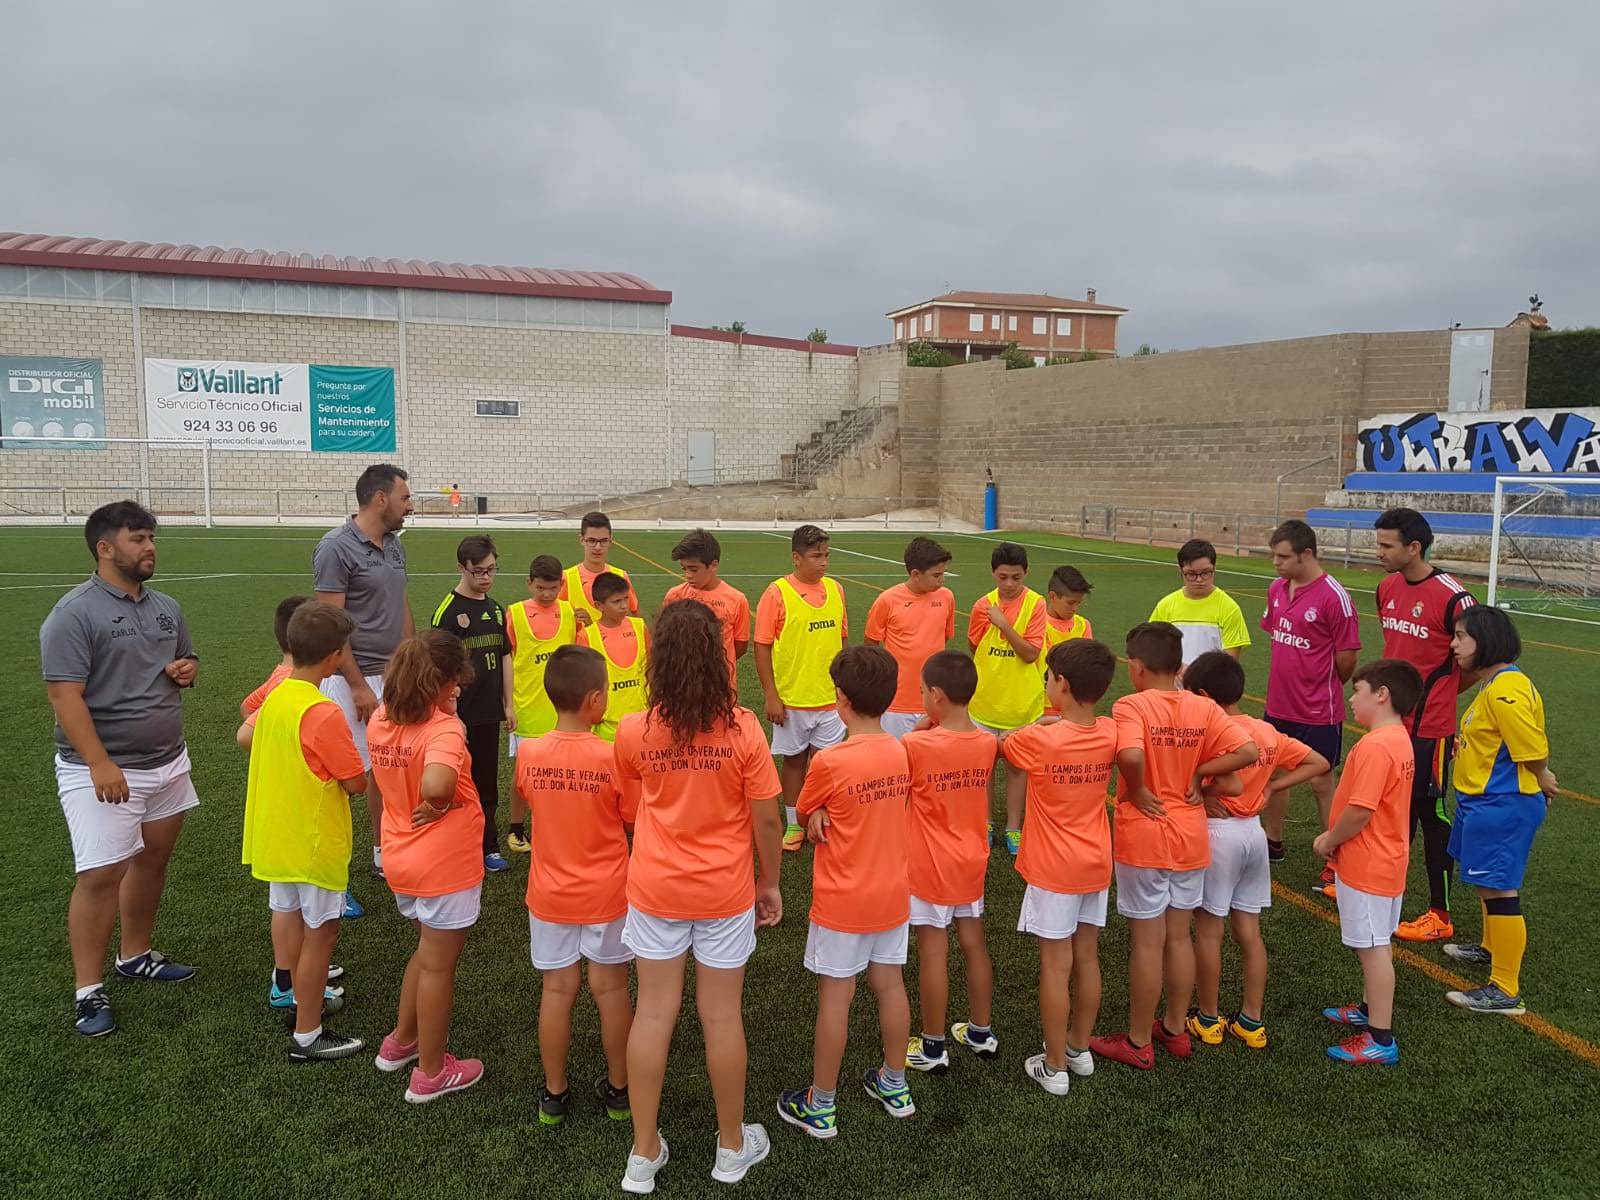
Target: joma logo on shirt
621, 685
814, 626
1002, 652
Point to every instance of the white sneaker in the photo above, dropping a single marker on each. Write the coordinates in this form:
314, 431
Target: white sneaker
640, 1177
1054, 1082
1080, 1063
983, 1045
733, 1165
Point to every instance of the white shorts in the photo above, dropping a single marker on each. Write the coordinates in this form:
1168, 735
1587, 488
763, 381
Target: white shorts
103, 833
1144, 893
846, 955
316, 906
1057, 915
897, 725
941, 915
337, 688
720, 942
807, 729
1366, 920
553, 946
453, 910
995, 729
1239, 878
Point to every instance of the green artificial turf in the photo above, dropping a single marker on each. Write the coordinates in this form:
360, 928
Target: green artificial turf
193, 1097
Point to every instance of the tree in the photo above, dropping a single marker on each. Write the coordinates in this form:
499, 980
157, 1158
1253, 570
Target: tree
1015, 357
1057, 360
1145, 350
818, 335
1088, 356
923, 354
736, 327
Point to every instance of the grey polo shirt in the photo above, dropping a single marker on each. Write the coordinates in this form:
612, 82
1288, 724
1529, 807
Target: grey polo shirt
119, 647
373, 580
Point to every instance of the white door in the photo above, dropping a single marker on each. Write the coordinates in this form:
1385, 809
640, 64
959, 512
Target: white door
702, 456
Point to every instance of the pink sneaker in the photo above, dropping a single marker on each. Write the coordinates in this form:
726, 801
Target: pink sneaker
394, 1054
456, 1075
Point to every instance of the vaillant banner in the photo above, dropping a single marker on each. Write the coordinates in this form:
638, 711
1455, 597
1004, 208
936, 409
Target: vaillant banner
52, 398
271, 406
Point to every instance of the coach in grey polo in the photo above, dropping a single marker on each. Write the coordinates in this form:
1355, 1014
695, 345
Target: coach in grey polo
116, 657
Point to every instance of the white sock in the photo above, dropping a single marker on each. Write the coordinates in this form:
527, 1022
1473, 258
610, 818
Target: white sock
377, 858
87, 990
122, 962
305, 1039
794, 817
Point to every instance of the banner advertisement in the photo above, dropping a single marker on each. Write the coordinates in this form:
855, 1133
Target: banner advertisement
52, 398
1532, 440
271, 406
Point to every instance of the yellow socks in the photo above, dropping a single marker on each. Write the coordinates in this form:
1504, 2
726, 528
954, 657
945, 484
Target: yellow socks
1506, 936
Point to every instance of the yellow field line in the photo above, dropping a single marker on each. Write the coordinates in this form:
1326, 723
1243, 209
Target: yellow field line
645, 558
1570, 1042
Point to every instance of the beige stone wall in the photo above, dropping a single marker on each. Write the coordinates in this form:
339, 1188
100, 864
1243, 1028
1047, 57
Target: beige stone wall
878, 372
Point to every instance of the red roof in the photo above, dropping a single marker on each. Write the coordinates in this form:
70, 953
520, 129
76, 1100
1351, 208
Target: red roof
1013, 300
163, 258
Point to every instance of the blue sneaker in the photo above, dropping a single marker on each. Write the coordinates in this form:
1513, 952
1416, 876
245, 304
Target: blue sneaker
495, 862
352, 907
332, 998
817, 1120
896, 1101
92, 1015
1362, 1051
1347, 1014
153, 964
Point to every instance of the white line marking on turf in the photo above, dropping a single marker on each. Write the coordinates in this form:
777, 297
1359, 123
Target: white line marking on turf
837, 549
25, 587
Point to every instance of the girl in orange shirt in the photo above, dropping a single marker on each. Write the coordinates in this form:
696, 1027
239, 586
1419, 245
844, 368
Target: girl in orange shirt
432, 838
698, 770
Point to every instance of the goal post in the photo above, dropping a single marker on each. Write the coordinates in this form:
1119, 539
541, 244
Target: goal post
1544, 545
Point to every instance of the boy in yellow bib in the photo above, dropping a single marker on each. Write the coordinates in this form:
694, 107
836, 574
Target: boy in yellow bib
304, 768
1006, 632
624, 643
537, 627
800, 627
577, 583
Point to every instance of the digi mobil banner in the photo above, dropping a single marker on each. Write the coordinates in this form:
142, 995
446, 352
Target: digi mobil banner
1536, 440
271, 406
52, 398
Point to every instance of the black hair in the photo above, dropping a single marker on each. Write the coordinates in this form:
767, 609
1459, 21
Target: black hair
1069, 581
953, 673
572, 673
608, 584
1402, 679
594, 520
1496, 637
1158, 645
111, 519
1195, 549
475, 548
280, 619
868, 676
1411, 525
1218, 674
1088, 667
546, 568
380, 477
1008, 554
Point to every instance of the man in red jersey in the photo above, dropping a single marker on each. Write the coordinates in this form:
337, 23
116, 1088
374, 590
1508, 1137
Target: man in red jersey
1417, 607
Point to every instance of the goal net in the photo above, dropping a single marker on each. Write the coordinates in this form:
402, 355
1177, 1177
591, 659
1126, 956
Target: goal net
1544, 551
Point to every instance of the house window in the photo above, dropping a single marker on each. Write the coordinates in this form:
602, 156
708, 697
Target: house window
927, 322
497, 408
1063, 326
994, 322
1011, 324
974, 322
899, 330
1040, 324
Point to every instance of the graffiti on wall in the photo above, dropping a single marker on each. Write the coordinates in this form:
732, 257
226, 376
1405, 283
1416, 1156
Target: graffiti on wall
1552, 440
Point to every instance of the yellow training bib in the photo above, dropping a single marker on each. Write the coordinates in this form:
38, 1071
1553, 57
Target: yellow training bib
627, 693
578, 598
296, 826
806, 646
1010, 692
536, 716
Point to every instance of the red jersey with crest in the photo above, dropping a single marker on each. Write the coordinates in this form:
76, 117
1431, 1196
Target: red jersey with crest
1418, 620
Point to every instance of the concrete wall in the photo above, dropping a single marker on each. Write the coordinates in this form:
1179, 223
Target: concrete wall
1204, 430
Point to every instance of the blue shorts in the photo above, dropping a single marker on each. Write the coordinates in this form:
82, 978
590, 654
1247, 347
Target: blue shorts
1326, 740
1492, 835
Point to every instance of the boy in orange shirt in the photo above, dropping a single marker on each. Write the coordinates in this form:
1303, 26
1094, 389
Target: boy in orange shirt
1067, 591
1238, 883
913, 620
624, 644
577, 880
1168, 742
1066, 853
801, 624
1369, 843
948, 856
280, 631
699, 556
854, 804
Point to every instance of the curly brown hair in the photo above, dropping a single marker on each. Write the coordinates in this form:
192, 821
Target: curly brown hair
687, 673
422, 667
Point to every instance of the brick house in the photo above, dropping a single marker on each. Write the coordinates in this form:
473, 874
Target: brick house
981, 324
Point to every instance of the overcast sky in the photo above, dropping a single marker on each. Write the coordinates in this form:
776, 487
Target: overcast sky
1228, 172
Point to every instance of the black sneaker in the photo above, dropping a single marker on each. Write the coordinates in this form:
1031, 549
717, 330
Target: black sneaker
1274, 851
328, 1047
615, 1100
92, 1015
554, 1109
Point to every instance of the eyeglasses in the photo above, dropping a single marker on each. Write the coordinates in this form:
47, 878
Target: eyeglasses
1199, 576
483, 572
597, 543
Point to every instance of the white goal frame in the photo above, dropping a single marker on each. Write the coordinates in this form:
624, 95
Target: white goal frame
1498, 515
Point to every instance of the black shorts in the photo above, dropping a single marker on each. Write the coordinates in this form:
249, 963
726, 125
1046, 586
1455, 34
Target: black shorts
1434, 757
1326, 740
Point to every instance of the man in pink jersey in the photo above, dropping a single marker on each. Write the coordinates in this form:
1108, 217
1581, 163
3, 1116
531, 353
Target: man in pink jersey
1316, 636
1417, 607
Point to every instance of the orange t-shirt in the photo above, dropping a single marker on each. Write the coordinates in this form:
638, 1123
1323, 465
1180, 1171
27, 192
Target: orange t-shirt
255, 699
1377, 775
588, 578
1066, 839
913, 627
621, 643
947, 844
733, 614
860, 880
694, 835
1177, 732
579, 869
769, 610
544, 620
978, 622
1279, 752
443, 856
